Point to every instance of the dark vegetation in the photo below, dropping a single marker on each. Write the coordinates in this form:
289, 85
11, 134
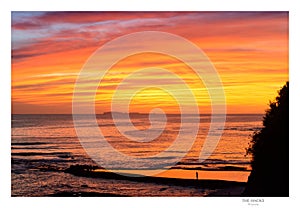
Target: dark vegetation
270, 151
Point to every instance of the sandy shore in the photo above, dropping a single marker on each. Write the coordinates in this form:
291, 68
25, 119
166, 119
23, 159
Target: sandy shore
239, 176
216, 187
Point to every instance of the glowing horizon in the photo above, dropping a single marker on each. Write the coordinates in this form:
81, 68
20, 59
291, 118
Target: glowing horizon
248, 49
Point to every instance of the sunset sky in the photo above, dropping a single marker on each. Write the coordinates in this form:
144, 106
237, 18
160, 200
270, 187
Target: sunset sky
248, 49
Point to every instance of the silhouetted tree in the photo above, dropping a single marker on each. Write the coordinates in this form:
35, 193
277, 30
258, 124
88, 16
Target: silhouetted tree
270, 151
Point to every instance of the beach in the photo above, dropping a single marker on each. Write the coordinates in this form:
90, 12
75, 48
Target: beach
79, 182
175, 178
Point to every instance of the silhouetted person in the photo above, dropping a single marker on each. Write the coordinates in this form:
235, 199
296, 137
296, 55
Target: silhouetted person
196, 175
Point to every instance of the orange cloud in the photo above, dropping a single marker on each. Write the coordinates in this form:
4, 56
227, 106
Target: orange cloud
248, 49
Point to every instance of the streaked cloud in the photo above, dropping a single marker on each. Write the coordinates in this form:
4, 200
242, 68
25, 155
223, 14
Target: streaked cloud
249, 50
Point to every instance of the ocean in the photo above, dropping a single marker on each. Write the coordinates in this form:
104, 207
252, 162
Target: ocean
42, 146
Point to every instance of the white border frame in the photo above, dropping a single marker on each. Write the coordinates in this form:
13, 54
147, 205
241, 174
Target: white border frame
138, 5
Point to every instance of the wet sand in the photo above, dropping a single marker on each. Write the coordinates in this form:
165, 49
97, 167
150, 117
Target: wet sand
239, 176
219, 187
